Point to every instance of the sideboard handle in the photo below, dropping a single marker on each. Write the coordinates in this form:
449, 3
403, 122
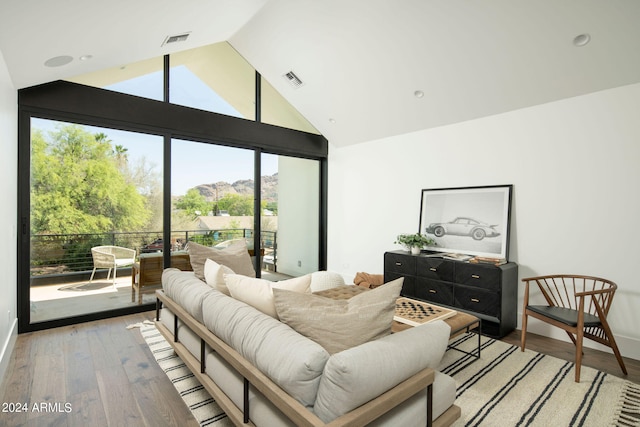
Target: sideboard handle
432, 291
398, 263
433, 269
475, 300
475, 276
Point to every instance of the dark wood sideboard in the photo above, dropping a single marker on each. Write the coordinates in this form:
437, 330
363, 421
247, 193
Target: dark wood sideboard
487, 291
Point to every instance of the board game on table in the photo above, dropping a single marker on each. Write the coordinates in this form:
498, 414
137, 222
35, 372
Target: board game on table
414, 312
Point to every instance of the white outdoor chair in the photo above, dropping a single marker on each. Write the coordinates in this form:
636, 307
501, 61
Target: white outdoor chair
111, 257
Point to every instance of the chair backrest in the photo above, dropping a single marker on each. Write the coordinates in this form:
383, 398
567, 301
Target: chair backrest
565, 290
102, 257
105, 253
103, 249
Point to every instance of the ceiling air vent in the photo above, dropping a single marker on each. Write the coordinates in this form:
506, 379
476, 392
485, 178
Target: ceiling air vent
293, 80
175, 39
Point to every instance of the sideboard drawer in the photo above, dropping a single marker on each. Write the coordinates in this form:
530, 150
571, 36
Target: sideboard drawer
477, 300
434, 291
399, 263
482, 276
435, 268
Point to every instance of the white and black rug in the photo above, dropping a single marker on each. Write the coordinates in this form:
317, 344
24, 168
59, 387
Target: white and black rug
204, 409
506, 387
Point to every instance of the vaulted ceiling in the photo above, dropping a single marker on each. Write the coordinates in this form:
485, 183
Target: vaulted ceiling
361, 62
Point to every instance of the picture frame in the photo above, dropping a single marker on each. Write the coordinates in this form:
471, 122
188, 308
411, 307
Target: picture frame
468, 220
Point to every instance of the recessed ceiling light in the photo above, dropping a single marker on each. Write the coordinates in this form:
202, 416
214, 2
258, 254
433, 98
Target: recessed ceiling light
332, 120
581, 40
85, 57
418, 94
58, 61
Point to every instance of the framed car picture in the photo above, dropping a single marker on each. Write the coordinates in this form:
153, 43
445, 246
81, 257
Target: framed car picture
469, 220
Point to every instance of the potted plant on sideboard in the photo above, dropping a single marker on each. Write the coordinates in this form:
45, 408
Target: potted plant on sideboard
414, 242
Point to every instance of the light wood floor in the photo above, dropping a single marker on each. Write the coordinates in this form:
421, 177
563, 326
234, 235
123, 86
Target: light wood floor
108, 376
103, 370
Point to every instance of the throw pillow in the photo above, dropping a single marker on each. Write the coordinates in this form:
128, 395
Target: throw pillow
214, 275
340, 324
258, 293
321, 280
235, 256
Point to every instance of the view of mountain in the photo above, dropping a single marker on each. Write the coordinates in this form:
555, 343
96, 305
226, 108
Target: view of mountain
244, 187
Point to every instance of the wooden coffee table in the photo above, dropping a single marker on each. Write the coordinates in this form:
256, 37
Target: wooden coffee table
460, 322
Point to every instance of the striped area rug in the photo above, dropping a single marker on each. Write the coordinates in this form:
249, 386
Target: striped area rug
507, 387
204, 409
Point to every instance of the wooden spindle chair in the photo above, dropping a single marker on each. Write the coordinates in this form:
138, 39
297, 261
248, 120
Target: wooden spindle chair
577, 304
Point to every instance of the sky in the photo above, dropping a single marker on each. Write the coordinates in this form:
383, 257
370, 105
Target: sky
192, 163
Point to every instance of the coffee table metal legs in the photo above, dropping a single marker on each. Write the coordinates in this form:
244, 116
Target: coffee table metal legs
467, 329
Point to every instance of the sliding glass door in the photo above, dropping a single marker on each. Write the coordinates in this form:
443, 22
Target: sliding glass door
95, 204
212, 194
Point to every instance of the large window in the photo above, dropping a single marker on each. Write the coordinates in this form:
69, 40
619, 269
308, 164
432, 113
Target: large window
170, 173
142, 78
91, 188
212, 194
213, 78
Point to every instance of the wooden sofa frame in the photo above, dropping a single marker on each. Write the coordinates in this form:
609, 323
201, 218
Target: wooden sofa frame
289, 406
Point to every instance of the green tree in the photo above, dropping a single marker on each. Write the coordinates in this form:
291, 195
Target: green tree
193, 204
77, 185
148, 181
236, 204
272, 206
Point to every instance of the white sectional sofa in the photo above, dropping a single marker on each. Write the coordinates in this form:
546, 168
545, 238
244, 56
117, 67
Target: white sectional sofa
264, 373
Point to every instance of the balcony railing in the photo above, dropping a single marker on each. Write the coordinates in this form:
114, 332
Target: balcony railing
56, 254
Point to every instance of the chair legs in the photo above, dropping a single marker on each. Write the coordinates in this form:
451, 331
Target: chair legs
578, 343
612, 343
114, 278
523, 335
108, 276
578, 340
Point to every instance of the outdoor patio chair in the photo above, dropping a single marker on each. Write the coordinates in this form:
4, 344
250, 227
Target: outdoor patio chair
577, 304
111, 257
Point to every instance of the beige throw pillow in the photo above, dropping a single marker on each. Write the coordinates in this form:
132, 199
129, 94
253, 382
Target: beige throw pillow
340, 324
235, 256
214, 275
258, 293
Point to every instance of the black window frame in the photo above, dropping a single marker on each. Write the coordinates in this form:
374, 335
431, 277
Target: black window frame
76, 103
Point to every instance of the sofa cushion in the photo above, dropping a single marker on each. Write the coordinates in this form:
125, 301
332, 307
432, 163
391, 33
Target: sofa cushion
321, 280
290, 360
413, 411
340, 324
258, 293
235, 256
185, 289
214, 275
359, 374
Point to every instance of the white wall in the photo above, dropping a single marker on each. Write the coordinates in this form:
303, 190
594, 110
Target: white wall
298, 207
8, 215
575, 167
